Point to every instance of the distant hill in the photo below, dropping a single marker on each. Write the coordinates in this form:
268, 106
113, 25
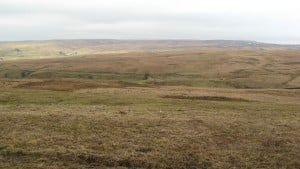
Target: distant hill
65, 48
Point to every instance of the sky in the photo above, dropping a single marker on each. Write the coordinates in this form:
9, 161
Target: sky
274, 21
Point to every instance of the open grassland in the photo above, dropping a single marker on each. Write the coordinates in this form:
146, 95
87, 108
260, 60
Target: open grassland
148, 127
208, 67
207, 107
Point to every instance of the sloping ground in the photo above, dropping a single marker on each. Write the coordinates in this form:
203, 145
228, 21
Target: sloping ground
134, 127
207, 108
214, 67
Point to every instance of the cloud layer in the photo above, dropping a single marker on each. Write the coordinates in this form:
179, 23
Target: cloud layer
267, 21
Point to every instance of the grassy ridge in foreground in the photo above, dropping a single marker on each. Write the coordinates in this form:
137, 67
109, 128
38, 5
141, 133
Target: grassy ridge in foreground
137, 127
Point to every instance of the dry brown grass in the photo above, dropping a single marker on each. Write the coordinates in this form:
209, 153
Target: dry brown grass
214, 67
209, 108
133, 127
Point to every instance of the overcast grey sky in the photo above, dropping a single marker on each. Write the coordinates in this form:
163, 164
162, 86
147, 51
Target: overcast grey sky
276, 21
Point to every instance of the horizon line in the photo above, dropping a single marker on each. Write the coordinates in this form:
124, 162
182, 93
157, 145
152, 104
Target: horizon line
136, 39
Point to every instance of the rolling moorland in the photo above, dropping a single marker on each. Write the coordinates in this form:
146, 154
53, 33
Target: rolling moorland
149, 104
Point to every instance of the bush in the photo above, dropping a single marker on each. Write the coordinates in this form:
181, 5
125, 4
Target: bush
18, 50
146, 76
25, 73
